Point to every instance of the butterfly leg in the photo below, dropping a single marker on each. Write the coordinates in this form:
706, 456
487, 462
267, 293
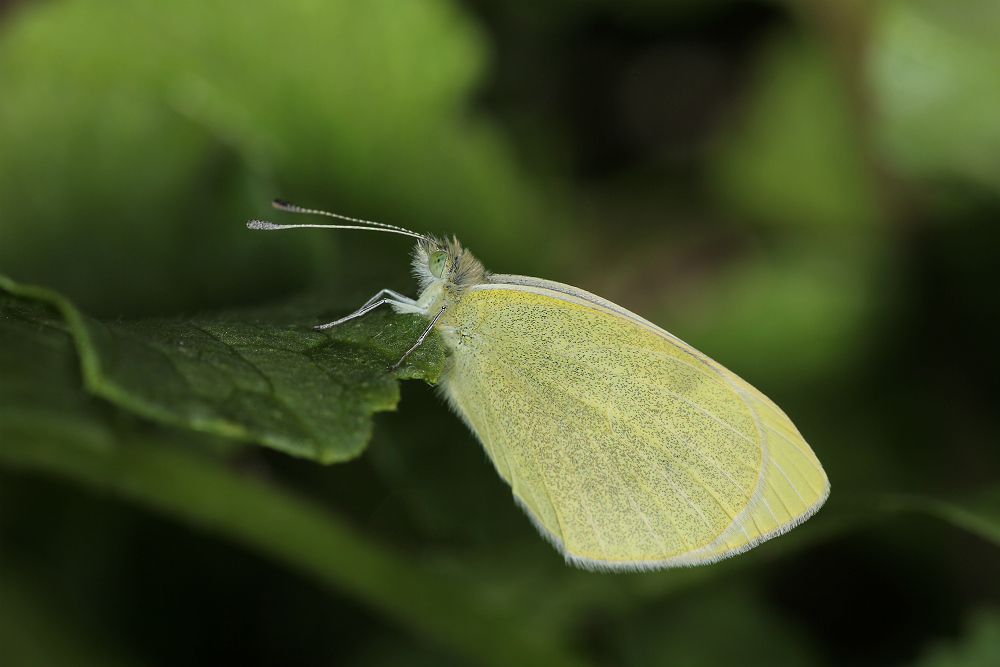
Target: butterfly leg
419, 340
401, 302
402, 298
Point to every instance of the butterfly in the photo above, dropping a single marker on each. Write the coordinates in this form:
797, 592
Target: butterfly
627, 448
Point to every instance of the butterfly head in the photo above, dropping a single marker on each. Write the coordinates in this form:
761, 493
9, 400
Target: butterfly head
447, 263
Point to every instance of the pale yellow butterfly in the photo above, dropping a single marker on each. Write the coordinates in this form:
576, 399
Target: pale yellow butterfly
628, 448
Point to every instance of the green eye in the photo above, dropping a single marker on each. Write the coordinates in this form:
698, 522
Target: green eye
436, 263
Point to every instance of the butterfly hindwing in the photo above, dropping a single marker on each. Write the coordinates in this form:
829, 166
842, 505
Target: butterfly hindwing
628, 448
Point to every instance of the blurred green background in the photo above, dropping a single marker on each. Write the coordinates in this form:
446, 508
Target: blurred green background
808, 191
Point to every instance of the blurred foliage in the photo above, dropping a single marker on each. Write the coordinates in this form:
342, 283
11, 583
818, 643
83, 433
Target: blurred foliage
980, 648
808, 191
934, 68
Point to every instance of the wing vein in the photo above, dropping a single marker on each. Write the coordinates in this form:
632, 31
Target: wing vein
621, 484
653, 466
576, 485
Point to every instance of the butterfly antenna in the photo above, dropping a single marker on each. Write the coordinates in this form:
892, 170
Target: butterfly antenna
370, 225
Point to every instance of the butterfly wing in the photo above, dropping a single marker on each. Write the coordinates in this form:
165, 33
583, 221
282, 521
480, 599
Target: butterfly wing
628, 448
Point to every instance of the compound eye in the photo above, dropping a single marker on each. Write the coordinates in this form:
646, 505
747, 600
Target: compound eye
437, 262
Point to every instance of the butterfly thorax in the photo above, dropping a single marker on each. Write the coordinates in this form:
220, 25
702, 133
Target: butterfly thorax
445, 271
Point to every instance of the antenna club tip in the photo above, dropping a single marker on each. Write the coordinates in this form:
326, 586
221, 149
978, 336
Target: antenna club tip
261, 224
282, 204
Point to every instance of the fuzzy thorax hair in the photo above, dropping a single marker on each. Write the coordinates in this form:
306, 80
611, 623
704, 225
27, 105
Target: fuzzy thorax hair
462, 270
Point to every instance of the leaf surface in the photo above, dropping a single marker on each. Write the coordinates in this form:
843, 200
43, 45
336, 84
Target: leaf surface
310, 394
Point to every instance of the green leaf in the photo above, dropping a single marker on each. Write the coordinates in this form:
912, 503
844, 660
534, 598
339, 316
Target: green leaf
307, 393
